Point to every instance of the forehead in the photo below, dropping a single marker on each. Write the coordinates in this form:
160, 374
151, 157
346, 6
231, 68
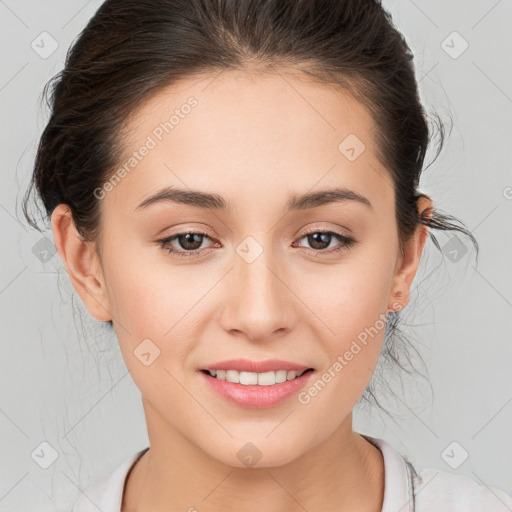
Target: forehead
253, 137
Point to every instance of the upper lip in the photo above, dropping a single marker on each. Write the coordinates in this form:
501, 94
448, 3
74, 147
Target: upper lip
246, 365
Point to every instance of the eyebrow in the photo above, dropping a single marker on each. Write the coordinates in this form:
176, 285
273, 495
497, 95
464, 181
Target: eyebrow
216, 202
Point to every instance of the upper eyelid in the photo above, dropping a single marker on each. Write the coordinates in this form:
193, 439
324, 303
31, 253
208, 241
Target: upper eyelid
308, 232
345, 231
173, 237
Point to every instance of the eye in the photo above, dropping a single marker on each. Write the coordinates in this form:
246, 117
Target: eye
321, 240
189, 241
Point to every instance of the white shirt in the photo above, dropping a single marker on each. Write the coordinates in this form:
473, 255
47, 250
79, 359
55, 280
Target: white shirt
405, 490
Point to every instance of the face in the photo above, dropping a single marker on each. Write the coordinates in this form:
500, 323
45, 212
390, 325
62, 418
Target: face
257, 272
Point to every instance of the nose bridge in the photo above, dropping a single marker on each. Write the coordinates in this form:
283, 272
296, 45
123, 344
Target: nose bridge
261, 301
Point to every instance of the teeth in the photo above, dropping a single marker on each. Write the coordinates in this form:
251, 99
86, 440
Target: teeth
252, 378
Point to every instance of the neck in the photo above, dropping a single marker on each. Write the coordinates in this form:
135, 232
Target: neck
344, 472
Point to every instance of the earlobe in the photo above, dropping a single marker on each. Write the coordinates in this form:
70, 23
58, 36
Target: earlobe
81, 262
411, 258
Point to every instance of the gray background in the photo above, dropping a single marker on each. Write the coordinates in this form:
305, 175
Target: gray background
63, 381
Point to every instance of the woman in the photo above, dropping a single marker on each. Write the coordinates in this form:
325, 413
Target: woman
233, 186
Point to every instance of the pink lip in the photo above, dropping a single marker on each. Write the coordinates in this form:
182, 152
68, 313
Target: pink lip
256, 397
245, 365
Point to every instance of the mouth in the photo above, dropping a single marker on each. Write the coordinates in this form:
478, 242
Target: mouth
245, 378
256, 384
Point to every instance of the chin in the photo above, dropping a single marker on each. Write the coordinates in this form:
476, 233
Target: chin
259, 452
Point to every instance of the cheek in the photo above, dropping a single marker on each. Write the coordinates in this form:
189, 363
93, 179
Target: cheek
157, 302
150, 323
351, 296
349, 303
146, 295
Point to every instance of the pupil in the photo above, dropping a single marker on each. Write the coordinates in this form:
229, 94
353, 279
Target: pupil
324, 239
189, 239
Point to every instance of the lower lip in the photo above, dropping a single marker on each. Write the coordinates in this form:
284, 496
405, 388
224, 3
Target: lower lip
256, 397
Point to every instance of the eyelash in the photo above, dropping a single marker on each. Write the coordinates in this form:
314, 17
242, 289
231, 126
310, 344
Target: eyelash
346, 243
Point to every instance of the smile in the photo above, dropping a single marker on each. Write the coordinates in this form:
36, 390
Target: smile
256, 390
253, 378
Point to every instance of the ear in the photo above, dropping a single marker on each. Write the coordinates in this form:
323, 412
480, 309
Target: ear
410, 260
82, 263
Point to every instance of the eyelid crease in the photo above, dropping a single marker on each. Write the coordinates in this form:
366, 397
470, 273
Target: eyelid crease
346, 241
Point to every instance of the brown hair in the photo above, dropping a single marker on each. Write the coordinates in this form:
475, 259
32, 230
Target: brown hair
131, 49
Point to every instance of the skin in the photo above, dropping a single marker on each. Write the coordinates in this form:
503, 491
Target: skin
254, 140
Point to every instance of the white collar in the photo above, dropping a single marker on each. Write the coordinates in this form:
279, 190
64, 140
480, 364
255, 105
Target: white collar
398, 478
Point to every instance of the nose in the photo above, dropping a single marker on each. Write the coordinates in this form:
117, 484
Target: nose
259, 298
